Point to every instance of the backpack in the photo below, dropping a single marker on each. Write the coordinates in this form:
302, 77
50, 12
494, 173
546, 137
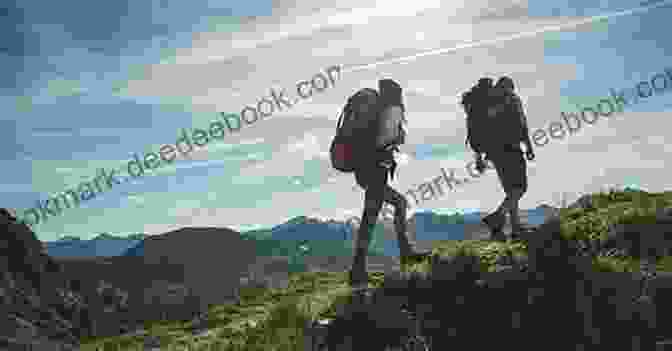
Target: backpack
508, 121
493, 122
355, 130
475, 108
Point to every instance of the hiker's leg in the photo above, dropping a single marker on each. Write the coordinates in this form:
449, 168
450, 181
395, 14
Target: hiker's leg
373, 202
496, 159
518, 187
504, 206
497, 219
372, 206
513, 209
510, 202
400, 204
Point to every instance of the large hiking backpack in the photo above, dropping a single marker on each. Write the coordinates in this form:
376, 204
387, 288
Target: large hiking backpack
355, 130
492, 121
508, 121
475, 107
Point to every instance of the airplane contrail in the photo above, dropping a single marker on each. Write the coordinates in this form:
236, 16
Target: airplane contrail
472, 44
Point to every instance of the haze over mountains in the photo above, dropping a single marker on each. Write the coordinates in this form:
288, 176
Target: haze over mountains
103, 245
318, 237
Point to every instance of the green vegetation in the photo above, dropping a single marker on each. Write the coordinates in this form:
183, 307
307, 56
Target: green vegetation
264, 319
267, 319
267, 246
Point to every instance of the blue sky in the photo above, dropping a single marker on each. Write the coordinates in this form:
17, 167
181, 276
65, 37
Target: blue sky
89, 83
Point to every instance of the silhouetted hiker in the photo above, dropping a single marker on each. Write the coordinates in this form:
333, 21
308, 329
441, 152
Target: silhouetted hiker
372, 130
498, 135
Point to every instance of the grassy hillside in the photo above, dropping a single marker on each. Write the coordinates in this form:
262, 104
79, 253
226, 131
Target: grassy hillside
275, 320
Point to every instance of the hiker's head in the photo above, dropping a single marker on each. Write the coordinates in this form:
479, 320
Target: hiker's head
390, 92
505, 83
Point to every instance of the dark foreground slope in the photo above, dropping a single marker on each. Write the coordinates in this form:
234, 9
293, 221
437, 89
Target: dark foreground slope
35, 305
578, 282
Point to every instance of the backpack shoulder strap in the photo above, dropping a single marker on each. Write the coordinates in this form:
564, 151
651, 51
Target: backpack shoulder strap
518, 111
339, 123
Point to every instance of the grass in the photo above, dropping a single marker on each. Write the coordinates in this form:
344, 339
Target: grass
266, 319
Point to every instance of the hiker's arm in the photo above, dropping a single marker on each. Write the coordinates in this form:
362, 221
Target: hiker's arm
518, 105
402, 129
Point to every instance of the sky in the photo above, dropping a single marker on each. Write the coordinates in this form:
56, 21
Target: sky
86, 84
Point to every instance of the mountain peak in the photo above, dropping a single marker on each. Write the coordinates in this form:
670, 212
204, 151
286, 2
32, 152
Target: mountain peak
69, 238
137, 236
106, 236
307, 220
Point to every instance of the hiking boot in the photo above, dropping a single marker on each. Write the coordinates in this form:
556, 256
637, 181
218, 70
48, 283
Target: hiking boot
358, 278
518, 231
414, 256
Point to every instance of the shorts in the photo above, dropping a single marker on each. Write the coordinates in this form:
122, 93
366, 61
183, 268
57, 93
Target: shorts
511, 169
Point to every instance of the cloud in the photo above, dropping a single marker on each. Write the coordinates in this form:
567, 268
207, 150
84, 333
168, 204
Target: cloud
172, 169
308, 147
265, 32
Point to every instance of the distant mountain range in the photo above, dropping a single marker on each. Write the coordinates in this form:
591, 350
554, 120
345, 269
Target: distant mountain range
306, 236
189, 256
103, 245
213, 259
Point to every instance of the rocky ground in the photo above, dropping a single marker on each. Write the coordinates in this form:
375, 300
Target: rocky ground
44, 307
37, 306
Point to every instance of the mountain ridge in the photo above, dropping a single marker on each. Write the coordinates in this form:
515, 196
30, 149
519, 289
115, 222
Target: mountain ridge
102, 245
425, 225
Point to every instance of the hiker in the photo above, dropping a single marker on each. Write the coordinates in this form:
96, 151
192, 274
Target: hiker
373, 162
503, 128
